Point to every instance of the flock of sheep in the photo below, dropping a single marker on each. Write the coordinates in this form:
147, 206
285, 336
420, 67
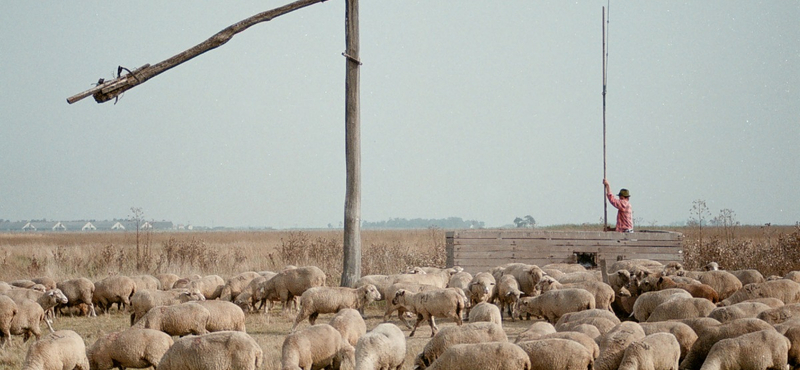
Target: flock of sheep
639, 314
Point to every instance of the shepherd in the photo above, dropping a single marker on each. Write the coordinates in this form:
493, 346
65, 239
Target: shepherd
624, 210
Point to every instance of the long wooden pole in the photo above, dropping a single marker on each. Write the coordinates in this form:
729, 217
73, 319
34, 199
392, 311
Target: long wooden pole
605, 199
351, 268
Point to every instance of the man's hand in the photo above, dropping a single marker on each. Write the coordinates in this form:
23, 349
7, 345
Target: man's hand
605, 182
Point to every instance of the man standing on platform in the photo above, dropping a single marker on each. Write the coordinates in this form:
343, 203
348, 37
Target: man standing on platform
623, 205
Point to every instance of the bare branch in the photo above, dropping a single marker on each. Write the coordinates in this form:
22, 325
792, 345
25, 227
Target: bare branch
108, 90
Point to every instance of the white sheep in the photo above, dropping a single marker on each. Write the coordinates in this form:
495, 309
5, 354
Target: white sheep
586, 341
737, 311
27, 320
602, 324
683, 333
78, 291
557, 353
317, 300
765, 349
485, 311
8, 309
383, 348
709, 336
602, 292
748, 276
484, 356
292, 282
793, 334
536, 331
436, 278
636, 264
786, 290
681, 308
210, 286
659, 351
114, 289
249, 296
222, 350
580, 277
580, 315
477, 332
224, 316
647, 302
781, 314
461, 281
47, 300
143, 300
146, 282
480, 289
48, 282
565, 267
236, 285
428, 305
350, 324
508, 293
527, 275
555, 303
63, 349
613, 344
391, 307
132, 347
318, 346
183, 319
167, 280
723, 282
382, 282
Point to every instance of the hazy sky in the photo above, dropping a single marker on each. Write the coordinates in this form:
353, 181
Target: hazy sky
485, 111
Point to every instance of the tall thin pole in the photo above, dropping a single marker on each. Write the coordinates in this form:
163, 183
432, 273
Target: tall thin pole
605, 199
351, 264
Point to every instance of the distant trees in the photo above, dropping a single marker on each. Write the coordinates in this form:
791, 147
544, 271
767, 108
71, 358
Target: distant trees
525, 222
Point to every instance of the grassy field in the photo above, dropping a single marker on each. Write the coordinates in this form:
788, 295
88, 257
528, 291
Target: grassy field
770, 249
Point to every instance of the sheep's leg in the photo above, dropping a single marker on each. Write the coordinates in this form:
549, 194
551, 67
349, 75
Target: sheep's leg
313, 318
401, 314
389, 309
49, 325
416, 324
91, 310
434, 328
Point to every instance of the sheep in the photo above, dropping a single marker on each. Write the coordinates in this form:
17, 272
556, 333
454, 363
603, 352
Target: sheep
580, 277
793, 334
765, 349
555, 303
317, 300
580, 338
411, 287
63, 349
553, 273
613, 344
723, 282
480, 289
647, 302
526, 275
476, 332
427, 305
210, 286
485, 311
673, 268
437, 279
508, 294
700, 324
624, 290
143, 300
557, 353
602, 292
214, 351
146, 282
185, 282
292, 282
8, 309
459, 280
167, 280
575, 316
590, 330
769, 301
748, 276
485, 356
224, 316
781, 314
634, 264
382, 348
681, 308
793, 276
317, 346
350, 324
113, 289
536, 331
382, 282
23, 283
27, 320
248, 297
78, 291
236, 285
565, 267
683, 333
4, 287
708, 336
601, 324
47, 300
133, 347
659, 351
182, 319
665, 282
786, 290
48, 282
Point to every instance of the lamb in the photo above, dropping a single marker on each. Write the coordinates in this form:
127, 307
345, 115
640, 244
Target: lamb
78, 291
748, 276
133, 347
485, 311
737, 311
210, 286
659, 351
683, 333
681, 308
27, 320
63, 349
428, 305
236, 285
556, 353
723, 282
167, 280
555, 303
146, 282
113, 289
8, 309
214, 351
647, 302
485, 356
480, 289
350, 324
508, 294
317, 346
614, 343
224, 316
707, 337
143, 300
536, 331
781, 314
477, 332
765, 349
602, 292
292, 282
382, 348
317, 300
786, 290
183, 319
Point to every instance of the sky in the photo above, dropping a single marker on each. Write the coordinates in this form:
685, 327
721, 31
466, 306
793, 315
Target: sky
481, 112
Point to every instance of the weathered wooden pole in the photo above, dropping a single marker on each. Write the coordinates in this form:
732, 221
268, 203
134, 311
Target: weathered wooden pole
351, 269
605, 60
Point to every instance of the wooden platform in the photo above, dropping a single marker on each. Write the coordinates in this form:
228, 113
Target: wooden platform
480, 250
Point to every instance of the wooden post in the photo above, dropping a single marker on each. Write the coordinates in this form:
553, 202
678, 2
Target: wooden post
605, 198
351, 268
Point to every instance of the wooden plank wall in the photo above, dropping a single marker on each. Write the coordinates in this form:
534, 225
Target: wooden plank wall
480, 250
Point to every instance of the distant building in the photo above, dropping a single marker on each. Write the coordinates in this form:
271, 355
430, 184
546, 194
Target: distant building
83, 226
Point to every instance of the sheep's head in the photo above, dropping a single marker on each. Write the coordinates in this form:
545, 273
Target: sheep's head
370, 293
711, 266
192, 295
399, 295
57, 296
545, 284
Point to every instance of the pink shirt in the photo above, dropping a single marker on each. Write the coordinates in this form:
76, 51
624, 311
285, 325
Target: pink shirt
625, 213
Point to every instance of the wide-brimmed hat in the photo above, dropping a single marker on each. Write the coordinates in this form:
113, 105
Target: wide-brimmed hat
624, 193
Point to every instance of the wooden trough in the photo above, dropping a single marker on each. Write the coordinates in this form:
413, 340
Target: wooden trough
480, 250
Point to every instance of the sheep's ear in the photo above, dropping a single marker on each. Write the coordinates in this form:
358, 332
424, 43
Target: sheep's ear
660, 280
